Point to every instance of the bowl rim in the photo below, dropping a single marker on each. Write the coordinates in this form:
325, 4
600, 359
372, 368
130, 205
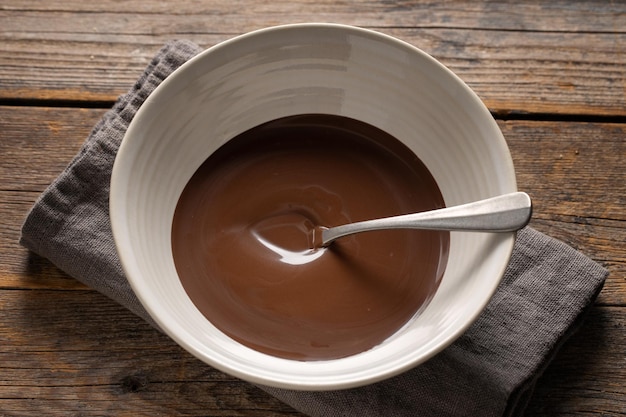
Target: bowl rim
277, 380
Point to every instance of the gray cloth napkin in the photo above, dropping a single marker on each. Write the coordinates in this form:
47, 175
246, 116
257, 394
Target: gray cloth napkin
490, 371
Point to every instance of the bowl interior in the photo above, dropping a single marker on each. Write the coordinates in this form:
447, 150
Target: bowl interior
299, 69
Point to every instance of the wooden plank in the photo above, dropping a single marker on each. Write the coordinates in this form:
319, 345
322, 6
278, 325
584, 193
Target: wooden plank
557, 15
573, 173
563, 58
570, 166
36, 144
66, 353
566, 167
587, 376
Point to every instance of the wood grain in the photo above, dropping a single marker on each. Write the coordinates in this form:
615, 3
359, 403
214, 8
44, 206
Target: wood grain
78, 352
598, 350
579, 196
507, 52
553, 73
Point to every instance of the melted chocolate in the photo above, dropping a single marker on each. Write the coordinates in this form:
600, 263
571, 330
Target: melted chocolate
243, 241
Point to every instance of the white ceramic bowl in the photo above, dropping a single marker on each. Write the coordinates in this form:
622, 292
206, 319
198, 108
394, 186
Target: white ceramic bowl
298, 69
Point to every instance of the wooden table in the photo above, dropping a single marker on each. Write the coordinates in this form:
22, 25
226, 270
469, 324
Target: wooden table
552, 72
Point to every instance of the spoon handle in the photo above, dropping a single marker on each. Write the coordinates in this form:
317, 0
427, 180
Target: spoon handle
504, 213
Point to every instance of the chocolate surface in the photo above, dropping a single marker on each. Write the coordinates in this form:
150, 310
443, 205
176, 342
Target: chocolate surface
242, 237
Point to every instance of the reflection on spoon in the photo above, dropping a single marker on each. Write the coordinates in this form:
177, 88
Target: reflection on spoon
292, 236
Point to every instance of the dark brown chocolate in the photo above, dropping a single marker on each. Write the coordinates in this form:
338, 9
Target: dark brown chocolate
243, 245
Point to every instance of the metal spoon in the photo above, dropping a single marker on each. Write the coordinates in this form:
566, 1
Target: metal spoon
504, 213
